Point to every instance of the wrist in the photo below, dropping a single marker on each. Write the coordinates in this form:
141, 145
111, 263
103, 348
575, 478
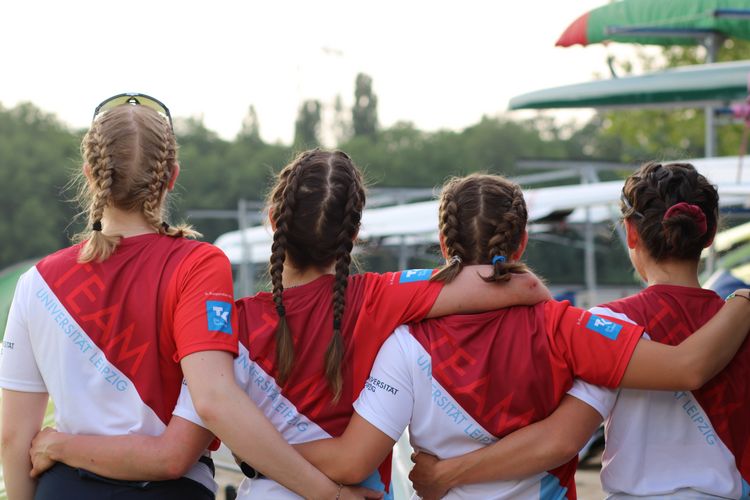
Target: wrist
448, 472
326, 490
56, 448
742, 293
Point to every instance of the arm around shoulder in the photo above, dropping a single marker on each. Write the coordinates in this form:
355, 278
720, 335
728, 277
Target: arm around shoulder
469, 293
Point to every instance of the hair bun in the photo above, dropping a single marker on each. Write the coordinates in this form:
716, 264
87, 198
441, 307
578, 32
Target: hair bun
693, 211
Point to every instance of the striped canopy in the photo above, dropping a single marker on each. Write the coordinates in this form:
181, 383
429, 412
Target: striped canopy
660, 22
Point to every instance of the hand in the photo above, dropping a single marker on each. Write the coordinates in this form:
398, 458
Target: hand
425, 477
39, 451
359, 493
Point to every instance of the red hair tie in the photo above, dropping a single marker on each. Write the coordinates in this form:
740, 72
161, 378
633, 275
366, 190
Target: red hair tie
692, 211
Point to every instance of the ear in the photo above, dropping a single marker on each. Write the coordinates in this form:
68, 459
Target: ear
270, 219
631, 234
443, 248
521, 247
86, 168
175, 175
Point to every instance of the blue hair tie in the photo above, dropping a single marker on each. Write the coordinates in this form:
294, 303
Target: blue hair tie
497, 258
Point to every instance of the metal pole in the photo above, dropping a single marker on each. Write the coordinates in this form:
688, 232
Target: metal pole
711, 43
245, 269
588, 175
403, 255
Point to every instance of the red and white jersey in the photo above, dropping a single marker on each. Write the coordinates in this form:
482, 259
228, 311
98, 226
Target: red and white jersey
104, 339
462, 382
304, 409
666, 444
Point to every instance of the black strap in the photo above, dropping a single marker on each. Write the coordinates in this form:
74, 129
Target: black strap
249, 471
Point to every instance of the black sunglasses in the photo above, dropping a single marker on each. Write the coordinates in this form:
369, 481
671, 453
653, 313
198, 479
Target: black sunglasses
134, 99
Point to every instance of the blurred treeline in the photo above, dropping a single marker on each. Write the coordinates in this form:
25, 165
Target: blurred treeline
39, 155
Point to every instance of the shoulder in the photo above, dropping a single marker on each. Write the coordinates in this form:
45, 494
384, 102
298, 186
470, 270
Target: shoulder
64, 257
200, 253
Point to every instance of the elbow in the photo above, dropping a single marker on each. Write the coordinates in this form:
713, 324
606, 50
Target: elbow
696, 373
208, 404
176, 467
696, 379
354, 473
562, 449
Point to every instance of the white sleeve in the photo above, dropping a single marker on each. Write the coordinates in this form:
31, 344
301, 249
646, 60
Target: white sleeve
599, 398
387, 400
185, 407
18, 368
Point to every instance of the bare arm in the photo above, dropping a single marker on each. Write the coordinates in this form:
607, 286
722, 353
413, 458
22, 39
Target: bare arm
469, 293
22, 416
539, 447
353, 456
130, 457
232, 416
697, 359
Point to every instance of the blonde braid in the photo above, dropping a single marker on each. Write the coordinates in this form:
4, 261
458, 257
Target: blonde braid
160, 176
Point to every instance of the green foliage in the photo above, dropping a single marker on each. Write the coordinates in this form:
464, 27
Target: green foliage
365, 109
640, 135
307, 126
37, 156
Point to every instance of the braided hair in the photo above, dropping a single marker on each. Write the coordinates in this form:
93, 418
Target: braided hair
482, 221
316, 207
131, 156
674, 209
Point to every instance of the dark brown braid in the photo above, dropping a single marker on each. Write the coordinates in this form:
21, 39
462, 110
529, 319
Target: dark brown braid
345, 242
482, 219
316, 207
449, 227
507, 237
651, 191
284, 196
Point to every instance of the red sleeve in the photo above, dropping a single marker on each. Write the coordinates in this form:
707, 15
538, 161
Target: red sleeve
596, 349
205, 318
402, 297
391, 299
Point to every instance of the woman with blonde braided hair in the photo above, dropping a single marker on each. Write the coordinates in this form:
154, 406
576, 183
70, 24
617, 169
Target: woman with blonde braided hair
461, 382
109, 327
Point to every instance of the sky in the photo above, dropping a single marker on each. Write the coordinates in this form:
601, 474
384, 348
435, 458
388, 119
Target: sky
440, 65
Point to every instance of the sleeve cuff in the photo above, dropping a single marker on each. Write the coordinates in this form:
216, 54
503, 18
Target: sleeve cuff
587, 397
21, 386
376, 420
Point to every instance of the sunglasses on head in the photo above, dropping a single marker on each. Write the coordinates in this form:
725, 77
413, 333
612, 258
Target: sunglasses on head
628, 206
134, 98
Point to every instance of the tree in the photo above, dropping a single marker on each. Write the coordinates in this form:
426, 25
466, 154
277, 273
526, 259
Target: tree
250, 130
365, 109
307, 126
342, 127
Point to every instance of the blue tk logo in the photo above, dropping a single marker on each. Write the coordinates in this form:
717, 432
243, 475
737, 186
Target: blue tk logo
413, 275
219, 316
604, 327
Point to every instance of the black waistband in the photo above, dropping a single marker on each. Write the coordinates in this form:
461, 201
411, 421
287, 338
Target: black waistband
210, 463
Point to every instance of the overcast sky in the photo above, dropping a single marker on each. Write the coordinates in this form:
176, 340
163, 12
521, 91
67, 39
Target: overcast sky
437, 64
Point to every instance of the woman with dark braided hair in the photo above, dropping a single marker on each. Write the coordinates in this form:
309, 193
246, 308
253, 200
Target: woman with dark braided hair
463, 381
307, 347
658, 444
109, 327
